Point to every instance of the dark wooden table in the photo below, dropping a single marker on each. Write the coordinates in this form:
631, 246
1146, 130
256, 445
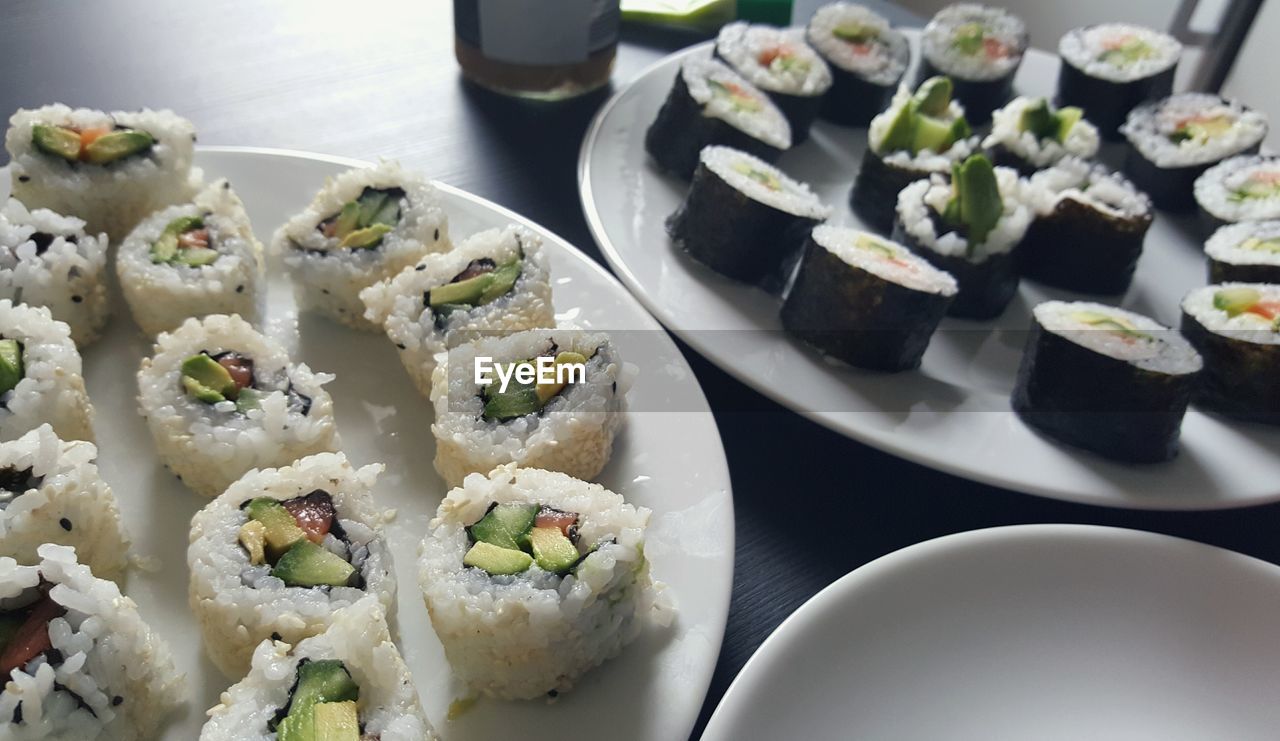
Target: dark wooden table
377, 79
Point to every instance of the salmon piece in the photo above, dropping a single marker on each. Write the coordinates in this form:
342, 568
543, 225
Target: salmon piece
32, 639
314, 514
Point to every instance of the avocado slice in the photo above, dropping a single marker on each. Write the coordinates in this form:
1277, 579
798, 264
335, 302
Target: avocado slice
1038, 119
253, 536
552, 550
117, 145
347, 221
319, 682
933, 97
197, 256
547, 390
1261, 245
389, 214
306, 564
975, 201
1068, 117
337, 721
497, 560
165, 249
516, 401
465, 292
282, 529
932, 133
855, 33
11, 370
502, 280
370, 202
1113, 324
56, 141
365, 238
1236, 300
504, 524
967, 38
901, 132
206, 380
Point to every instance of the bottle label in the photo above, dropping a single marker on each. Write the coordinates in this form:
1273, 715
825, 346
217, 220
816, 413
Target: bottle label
526, 32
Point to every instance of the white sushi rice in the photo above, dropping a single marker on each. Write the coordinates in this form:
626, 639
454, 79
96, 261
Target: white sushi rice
1150, 126
926, 160
1006, 131
211, 445
388, 707
1221, 189
998, 25
110, 198
239, 605
1087, 49
761, 119
162, 296
882, 60
116, 680
399, 305
763, 182
1157, 346
1089, 183
327, 278
52, 388
1228, 243
1245, 326
572, 433
63, 500
884, 258
773, 59
523, 636
917, 199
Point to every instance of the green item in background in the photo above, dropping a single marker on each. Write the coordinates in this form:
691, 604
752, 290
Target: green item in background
688, 14
777, 12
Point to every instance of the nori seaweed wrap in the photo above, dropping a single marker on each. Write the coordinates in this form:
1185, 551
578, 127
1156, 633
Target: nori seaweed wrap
1248, 252
867, 59
779, 62
1110, 68
1236, 328
980, 48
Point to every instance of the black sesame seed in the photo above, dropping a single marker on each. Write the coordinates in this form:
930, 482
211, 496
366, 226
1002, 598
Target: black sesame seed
276, 636
400, 346
117, 701
437, 236
65, 523
420, 268
239, 289
77, 299
24, 178
325, 291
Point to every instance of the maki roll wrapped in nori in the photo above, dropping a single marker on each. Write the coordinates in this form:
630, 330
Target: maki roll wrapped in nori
1245, 188
917, 136
743, 217
532, 578
1106, 380
40, 376
1088, 230
970, 227
495, 281
77, 659
191, 261
711, 104
865, 300
1110, 68
1030, 134
1174, 140
980, 48
779, 62
867, 59
1236, 328
283, 551
1245, 253
49, 260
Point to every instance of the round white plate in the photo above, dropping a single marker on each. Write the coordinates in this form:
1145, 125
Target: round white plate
1032, 632
669, 461
953, 414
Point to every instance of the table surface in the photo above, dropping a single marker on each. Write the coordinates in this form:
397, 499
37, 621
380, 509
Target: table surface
378, 79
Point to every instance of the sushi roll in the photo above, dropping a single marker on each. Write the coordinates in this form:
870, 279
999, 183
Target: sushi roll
109, 169
970, 227
1088, 229
743, 217
779, 62
1030, 134
1174, 140
191, 261
364, 226
40, 381
282, 551
711, 104
532, 578
1243, 188
51, 492
865, 300
1245, 253
77, 659
1111, 68
495, 281
1236, 328
49, 260
980, 48
917, 136
1106, 380
221, 399
347, 683
866, 56
558, 406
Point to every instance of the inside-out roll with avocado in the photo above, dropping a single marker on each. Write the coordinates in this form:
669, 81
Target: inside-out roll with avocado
364, 226
1110, 68
221, 399
865, 300
77, 659
40, 376
1031, 134
47, 259
1236, 328
281, 551
555, 400
191, 261
918, 135
532, 578
779, 62
1245, 253
1106, 380
110, 169
495, 281
1174, 140
980, 48
866, 56
51, 492
1245, 188
1088, 230
743, 217
348, 683
711, 104
969, 226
